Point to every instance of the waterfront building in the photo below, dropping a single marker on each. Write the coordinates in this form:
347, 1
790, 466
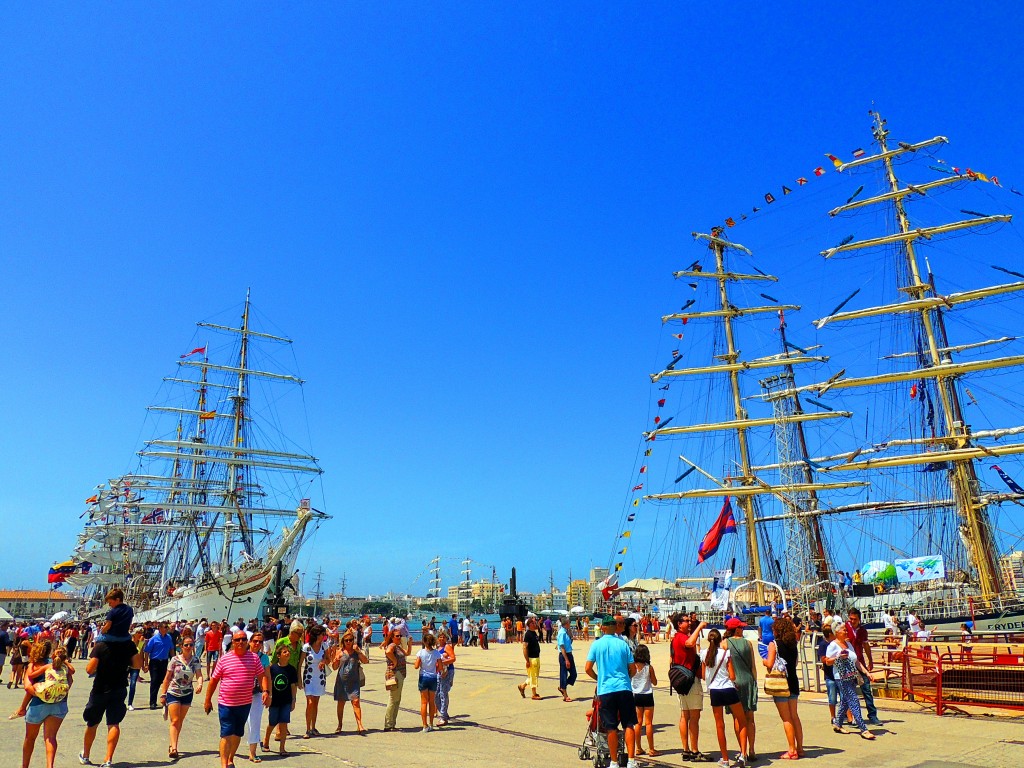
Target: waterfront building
34, 604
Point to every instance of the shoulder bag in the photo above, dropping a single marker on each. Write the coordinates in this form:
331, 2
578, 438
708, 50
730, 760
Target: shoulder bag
776, 682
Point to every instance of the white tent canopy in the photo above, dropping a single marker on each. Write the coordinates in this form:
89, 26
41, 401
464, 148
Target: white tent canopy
646, 585
4, 615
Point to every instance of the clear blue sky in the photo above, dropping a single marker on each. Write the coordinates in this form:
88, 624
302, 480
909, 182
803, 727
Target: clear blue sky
465, 214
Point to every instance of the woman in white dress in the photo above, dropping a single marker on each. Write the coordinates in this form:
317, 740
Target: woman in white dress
313, 674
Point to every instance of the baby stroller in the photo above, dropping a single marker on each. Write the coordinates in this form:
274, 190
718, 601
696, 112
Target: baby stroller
595, 741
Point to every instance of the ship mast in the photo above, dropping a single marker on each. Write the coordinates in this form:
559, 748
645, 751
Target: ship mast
745, 485
237, 439
954, 443
963, 477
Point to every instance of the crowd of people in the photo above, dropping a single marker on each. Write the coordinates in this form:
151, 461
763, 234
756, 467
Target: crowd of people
251, 672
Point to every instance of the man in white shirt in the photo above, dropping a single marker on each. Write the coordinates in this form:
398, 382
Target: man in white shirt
889, 622
467, 630
913, 622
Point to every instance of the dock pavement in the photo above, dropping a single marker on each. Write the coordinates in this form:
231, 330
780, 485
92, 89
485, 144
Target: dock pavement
491, 725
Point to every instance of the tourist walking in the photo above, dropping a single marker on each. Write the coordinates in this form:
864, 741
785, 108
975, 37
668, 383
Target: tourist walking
158, 651
827, 672
254, 724
48, 680
782, 656
642, 683
842, 656
347, 685
183, 680
139, 641
213, 638
234, 675
446, 678
858, 635
108, 666
684, 654
531, 652
284, 687
394, 677
742, 655
566, 662
427, 663
614, 670
719, 675
313, 674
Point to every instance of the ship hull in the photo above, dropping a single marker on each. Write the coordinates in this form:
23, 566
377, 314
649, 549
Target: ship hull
235, 596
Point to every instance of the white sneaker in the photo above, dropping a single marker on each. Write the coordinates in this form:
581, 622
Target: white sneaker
723, 763
131, 708
631, 764
426, 729
83, 759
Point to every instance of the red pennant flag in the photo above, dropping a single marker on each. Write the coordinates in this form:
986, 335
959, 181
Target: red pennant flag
661, 403
196, 351
835, 160
725, 523
643, 469
92, 500
657, 419
638, 487
913, 391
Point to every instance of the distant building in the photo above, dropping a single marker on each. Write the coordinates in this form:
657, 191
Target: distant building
489, 593
34, 604
529, 598
578, 593
542, 602
558, 600
1012, 567
597, 575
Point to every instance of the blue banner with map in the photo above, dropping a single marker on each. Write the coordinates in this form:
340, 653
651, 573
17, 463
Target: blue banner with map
924, 568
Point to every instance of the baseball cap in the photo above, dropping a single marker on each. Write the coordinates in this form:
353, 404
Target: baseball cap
608, 621
735, 623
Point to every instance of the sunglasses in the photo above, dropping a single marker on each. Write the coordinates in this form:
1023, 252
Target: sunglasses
188, 645
239, 640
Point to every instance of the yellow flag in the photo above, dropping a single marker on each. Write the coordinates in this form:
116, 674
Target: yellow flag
626, 535
207, 414
636, 502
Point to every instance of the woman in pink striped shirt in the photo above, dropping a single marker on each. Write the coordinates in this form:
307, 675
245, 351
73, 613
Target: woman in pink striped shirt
235, 674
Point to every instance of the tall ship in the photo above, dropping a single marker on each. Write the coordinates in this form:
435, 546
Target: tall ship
879, 438
219, 502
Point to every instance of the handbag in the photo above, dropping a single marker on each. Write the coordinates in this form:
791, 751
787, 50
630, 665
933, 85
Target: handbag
844, 668
776, 682
680, 678
362, 677
390, 681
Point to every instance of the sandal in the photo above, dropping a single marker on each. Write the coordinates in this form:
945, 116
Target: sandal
522, 690
256, 759
652, 752
789, 756
536, 698
700, 757
640, 751
839, 729
307, 735
868, 735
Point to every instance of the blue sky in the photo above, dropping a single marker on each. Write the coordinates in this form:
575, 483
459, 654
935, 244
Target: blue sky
465, 214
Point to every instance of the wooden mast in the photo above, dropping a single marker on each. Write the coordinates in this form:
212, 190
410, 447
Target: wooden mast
963, 478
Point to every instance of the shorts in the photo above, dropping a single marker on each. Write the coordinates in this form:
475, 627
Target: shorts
279, 714
643, 700
692, 701
833, 691
38, 711
617, 708
724, 697
212, 655
109, 703
233, 719
184, 701
427, 683
783, 699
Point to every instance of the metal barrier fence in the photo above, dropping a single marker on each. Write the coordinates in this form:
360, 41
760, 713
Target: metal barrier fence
988, 676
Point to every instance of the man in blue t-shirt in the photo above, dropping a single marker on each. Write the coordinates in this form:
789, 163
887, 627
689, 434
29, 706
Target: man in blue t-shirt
765, 633
453, 629
615, 669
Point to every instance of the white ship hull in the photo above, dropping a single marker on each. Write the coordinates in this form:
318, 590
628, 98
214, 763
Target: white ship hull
237, 595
